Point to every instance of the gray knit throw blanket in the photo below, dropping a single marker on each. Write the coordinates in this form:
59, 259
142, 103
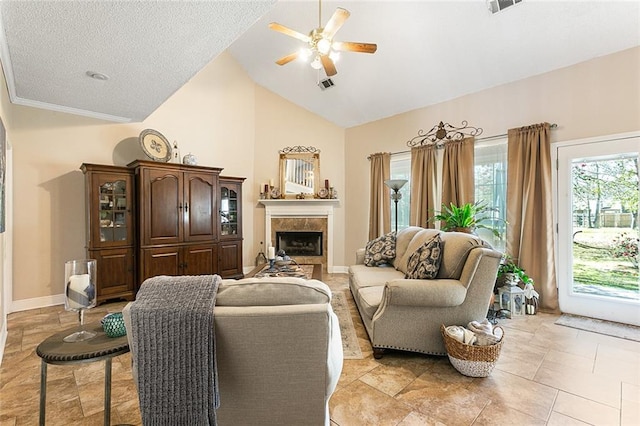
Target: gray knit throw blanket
173, 348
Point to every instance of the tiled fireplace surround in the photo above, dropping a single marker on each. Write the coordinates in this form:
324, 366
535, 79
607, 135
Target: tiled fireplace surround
302, 215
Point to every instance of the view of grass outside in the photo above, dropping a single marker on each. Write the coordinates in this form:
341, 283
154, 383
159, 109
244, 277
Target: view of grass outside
605, 226
595, 265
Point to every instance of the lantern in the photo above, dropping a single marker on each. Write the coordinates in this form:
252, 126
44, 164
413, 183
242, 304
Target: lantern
511, 298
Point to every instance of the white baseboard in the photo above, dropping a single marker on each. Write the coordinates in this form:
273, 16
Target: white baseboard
36, 302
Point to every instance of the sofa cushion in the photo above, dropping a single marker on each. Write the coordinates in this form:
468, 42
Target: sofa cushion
370, 299
455, 250
424, 263
380, 250
364, 276
419, 238
272, 292
403, 239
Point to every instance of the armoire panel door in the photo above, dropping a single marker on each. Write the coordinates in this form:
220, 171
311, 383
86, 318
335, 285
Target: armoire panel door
201, 219
115, 273
164, 207
161, 261
200, 259
230, 259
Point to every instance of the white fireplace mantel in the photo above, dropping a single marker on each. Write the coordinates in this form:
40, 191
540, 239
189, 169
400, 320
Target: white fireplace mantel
304, 202
302, 208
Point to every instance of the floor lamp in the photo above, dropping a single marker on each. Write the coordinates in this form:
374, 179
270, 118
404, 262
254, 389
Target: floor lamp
396, 185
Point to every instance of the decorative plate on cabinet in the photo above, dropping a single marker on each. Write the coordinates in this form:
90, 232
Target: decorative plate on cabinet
155, 145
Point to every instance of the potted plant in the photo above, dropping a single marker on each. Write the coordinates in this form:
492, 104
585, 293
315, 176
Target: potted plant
467, 217
510, 273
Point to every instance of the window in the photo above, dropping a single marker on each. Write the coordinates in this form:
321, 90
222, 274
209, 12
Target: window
401, 169
491, 186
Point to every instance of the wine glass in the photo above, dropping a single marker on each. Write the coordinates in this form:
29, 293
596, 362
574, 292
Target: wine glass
80, 293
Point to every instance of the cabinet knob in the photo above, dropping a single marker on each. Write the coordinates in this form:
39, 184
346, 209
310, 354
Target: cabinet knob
186, 207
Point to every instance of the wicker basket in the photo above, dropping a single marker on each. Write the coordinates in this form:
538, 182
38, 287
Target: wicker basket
472, 360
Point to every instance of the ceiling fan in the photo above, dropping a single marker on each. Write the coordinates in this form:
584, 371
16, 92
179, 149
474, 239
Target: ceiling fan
323, 50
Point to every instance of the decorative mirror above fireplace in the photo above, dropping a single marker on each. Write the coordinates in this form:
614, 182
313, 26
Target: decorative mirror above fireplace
299, 171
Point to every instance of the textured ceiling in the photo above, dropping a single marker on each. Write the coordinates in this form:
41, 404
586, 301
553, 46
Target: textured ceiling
428, 51
148, 50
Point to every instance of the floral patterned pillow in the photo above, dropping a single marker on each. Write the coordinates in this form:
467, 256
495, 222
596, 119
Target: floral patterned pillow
424, 263
381, 250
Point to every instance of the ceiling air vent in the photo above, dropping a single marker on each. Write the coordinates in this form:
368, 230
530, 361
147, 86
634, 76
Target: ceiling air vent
325, 84
496, 6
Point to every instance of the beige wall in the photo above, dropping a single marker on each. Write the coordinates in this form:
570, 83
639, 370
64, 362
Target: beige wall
280, 124
5, 241
217, 116
598, 97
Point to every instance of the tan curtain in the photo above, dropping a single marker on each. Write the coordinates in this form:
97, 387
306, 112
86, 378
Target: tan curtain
380, 199
530, 238
457, 172
423, 181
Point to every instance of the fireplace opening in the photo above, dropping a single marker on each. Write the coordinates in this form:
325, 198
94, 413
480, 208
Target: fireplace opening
300, 243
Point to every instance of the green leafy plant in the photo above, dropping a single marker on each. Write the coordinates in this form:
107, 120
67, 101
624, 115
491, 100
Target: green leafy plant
508, 266
469, 216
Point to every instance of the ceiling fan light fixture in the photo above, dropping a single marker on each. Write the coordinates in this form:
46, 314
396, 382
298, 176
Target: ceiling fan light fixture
316, 64
305, 54
334, 56
323, 46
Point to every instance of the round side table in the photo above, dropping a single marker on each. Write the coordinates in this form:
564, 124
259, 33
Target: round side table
53, 350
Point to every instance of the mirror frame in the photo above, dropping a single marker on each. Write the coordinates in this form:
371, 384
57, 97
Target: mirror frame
308, 153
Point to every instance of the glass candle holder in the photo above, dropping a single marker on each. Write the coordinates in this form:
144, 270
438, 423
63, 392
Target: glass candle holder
80, 293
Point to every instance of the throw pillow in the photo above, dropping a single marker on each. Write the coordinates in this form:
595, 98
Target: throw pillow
424, 263
380, 250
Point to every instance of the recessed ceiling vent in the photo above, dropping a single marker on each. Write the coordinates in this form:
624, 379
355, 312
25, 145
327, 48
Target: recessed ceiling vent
326, 84
496, 6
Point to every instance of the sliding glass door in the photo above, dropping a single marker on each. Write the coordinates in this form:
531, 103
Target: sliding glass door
598, 234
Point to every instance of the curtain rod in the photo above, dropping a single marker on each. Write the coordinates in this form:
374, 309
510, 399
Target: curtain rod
552, 126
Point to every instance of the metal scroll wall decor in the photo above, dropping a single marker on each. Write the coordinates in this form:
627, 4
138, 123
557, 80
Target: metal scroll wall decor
442, 133
299, 150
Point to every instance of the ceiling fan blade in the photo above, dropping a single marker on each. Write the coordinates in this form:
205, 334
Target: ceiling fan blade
288, 31
336, 21
329, 66
286, 59
349, 46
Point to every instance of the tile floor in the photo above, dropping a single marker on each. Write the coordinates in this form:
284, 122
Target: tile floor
547, 374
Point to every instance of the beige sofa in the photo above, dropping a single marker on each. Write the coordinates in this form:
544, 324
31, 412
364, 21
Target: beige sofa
406, 314
279, 351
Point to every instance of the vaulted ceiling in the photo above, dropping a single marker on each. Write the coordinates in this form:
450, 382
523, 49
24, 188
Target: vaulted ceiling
428, 51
